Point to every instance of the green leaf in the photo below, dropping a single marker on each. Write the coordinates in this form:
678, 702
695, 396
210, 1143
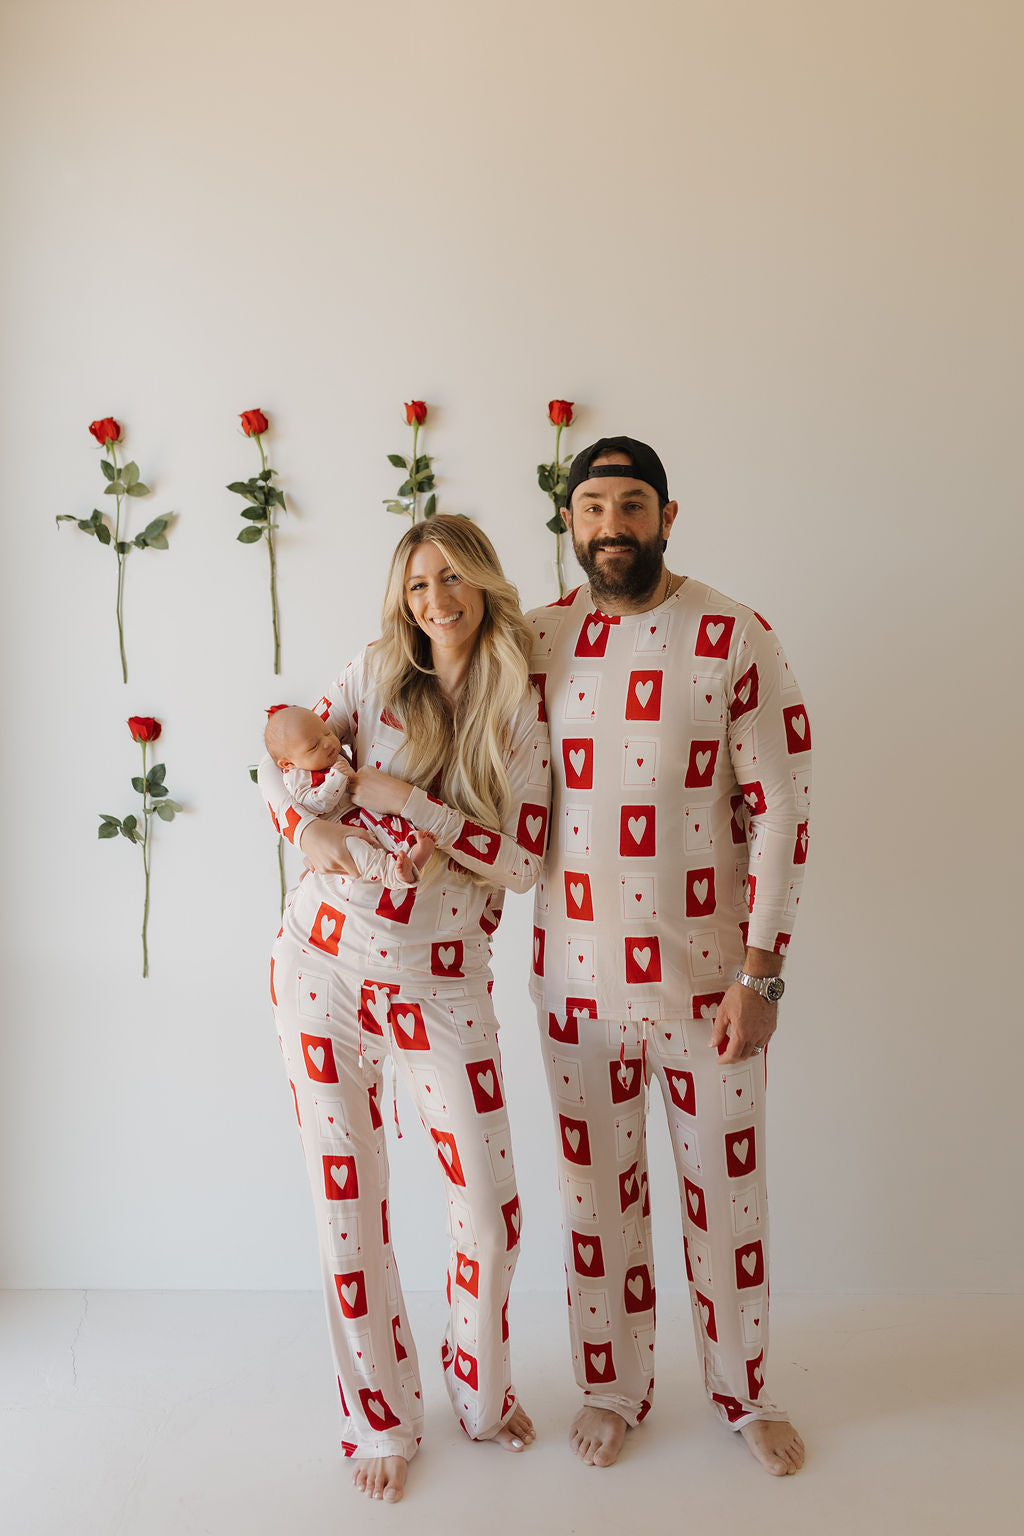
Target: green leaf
108, 469
400, 508
277, 497
115, 488
138, 489
116, 820
173, 804
265, 474
130, 823
157, 773
139, 784
255, 514
159, 789
426, 483
556, 523
108, 829
156, 526
406, 488
240, 487
130, 472
140, 541
421, 463
431, 506
546, 477
123, 546
253, 774
158, 543
66, 517
250, 535
165, 811
103, 533
397, 460
86, 527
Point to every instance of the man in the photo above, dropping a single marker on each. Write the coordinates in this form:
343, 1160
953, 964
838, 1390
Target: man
680, 757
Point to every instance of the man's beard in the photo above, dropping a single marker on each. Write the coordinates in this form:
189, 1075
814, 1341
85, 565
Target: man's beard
634, 578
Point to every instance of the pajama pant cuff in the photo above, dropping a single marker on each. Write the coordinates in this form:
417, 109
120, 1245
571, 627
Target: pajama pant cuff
771, 1415
633, 1413
385, 1446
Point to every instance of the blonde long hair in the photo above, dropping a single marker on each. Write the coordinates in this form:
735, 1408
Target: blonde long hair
462, 747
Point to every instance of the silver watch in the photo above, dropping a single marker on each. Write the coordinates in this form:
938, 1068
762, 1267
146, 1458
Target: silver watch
770, 988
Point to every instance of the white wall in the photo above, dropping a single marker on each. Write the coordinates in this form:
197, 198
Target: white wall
781, 241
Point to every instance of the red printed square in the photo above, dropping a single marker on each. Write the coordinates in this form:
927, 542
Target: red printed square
798, 728
477, 842
706, 1309
753, 796
744, 693
530, 833
448, 1156
340, 1179
485, 1082
578, 762
568, 1032
700, 892
581, 1008
446, 959
465, 1367
374, 1005
467, 1274
592, 639
749, 1265
627, 1079
401, 1353
513, 1221
751, 891
681, 1090
629, 1188
700, 768
705, 1005
800, 846
352, 1293
575, 1140
408, 1028
638, 1292
755, 1377
538, 951
375, 1115
579, 905
637, 832
598, 1363
318, 1054
377, 1410
643, 960
714, 635
737, 827
396, 906
695, 1206
539, 681
291, 824
643, 695
740, 1153
326, 931
781, 945
731, 1406
587, 1255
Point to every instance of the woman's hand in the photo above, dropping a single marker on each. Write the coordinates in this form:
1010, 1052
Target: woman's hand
377, 791
323, 843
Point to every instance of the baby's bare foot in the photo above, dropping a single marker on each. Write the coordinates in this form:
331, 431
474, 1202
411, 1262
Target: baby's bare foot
517, 1432
776, 1445
421, 848
381, 1477
596, 1435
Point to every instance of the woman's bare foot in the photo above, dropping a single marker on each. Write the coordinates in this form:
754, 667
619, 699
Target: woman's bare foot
381, 1477
517, 1432
776, 1445
596, 1435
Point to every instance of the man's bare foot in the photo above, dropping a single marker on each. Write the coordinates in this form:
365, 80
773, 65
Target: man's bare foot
776, 1445
596, 1435
381, 1477
517, 1432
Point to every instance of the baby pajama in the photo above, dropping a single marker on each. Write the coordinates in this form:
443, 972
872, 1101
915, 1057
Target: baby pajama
326, 794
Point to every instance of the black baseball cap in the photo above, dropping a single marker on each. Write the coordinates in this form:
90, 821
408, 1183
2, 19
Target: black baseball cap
644, 465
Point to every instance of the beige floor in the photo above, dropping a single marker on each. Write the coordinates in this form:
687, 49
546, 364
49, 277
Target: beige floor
168, 1414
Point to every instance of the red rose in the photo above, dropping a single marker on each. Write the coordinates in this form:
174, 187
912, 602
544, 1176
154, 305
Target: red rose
106, 431
144, 728
416, 411
254, 423
560, 413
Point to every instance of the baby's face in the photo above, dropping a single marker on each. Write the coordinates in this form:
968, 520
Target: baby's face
313, 745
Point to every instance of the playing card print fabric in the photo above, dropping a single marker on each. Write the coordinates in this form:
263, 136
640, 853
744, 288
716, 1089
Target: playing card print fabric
360, 972
680, 802
681, 747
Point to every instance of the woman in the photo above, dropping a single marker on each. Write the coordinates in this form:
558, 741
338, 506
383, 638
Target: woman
445, 731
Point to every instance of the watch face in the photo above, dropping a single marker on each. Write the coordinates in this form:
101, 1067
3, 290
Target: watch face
774, 990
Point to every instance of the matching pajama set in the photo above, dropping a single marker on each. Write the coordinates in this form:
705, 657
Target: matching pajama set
361, 972
678, 836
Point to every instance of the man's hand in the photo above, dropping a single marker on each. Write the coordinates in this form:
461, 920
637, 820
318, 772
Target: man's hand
745, 1022
377, 791
323, 843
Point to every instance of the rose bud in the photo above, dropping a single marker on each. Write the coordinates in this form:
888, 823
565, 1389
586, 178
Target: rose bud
144, 728
105, 431
560, 413
254, 423
416, 411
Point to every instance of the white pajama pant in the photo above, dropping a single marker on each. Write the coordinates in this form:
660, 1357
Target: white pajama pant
598, 1071
335, 1034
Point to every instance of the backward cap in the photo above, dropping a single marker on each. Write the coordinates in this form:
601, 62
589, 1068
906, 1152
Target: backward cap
644, 465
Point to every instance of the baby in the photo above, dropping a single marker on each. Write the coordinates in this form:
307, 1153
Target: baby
316, 775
